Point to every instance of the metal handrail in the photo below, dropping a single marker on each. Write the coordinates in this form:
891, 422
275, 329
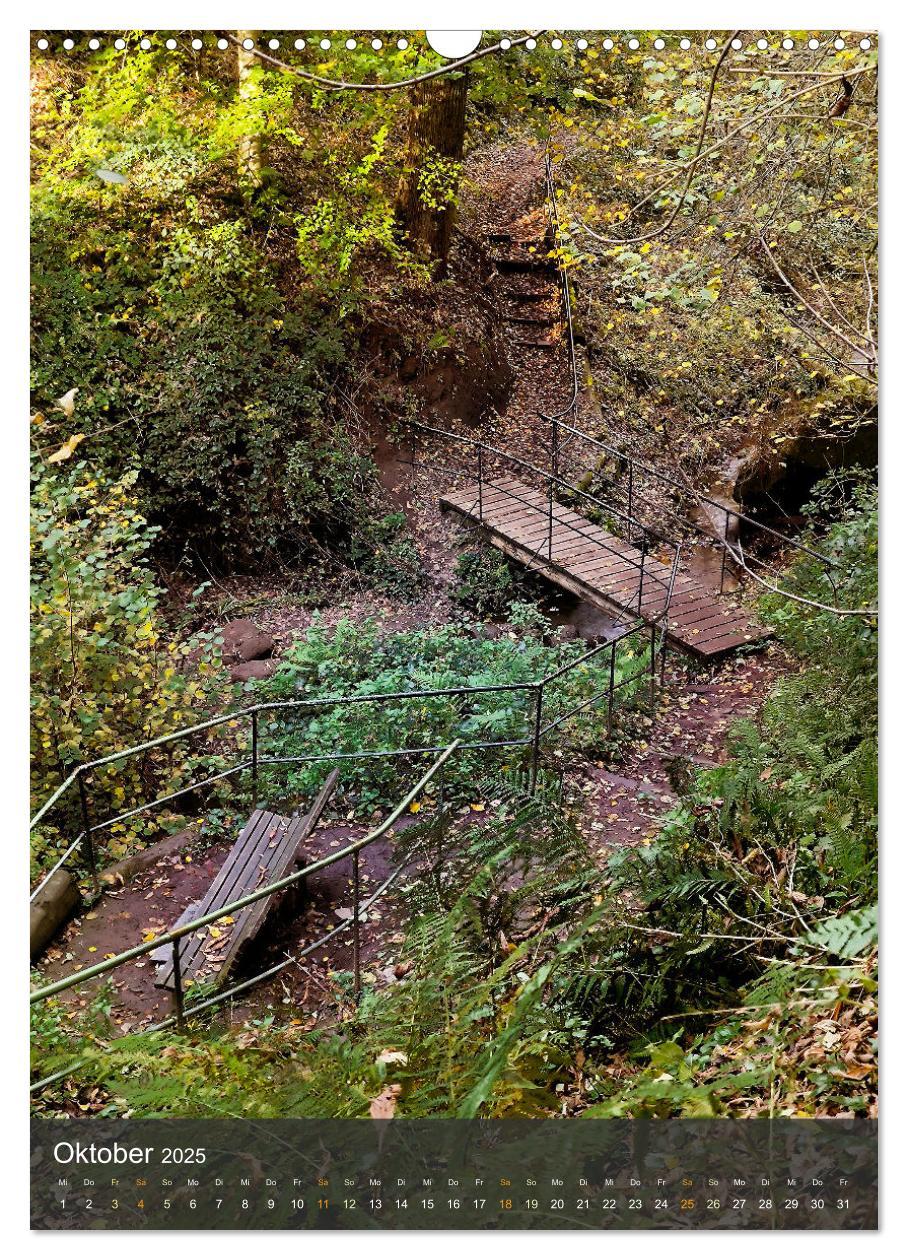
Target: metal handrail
233, 907
646, 469
351, 851
257, 760
175, 934
644, 532
486, 447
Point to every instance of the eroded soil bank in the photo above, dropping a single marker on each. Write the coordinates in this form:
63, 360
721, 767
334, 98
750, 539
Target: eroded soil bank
493, 382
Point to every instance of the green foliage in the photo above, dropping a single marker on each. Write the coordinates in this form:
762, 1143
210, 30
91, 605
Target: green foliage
347, 228
192, 371
846, 935
103, 675
486, 582
760, 891
205, 349
356, 660
382, 551
727, 967
801, 1043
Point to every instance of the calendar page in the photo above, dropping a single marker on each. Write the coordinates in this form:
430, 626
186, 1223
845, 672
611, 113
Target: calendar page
454, 629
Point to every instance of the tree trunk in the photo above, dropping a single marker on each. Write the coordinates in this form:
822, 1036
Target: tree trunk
428, 186
250, 144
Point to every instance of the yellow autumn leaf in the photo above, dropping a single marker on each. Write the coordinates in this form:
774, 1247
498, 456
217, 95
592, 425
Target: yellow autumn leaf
67, 403
67, 449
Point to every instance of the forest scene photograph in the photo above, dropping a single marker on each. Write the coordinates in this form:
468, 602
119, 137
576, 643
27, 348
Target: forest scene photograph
454, 553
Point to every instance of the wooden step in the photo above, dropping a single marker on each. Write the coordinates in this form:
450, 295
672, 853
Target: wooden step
510, 263
534, 295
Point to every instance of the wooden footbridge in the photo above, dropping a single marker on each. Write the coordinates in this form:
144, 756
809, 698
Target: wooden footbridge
608, 572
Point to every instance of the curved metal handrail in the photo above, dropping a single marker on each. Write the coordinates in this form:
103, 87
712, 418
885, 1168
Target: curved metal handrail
533, 688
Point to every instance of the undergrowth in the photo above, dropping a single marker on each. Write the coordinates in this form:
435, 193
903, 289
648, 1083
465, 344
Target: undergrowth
728, 967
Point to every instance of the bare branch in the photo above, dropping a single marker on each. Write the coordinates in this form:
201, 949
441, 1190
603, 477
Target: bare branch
341, 85
836, 332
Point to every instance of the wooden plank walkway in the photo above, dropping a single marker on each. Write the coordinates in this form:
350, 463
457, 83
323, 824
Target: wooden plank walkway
267, 848
600, 568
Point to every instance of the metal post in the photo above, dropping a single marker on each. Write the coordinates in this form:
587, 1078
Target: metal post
652, 670
178, 987
611, 687
630, 497
88, 844
553, 475
724, 554
255, 759
640, 588
480, 473
357, 985
537, 735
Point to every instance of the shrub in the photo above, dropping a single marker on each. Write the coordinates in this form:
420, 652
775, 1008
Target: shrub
487, 583
103, 676
383, 553
359, 660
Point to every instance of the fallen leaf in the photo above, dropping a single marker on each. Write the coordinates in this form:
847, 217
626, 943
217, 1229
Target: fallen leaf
384, 1105
392, 1056
67, 403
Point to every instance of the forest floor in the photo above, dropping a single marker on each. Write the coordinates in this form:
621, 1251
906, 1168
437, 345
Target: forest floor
619, 802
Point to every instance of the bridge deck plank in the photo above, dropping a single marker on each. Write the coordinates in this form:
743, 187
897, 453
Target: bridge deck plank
589, 560
264, 852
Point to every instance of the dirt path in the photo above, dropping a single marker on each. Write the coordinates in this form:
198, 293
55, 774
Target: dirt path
151, 903
622, 801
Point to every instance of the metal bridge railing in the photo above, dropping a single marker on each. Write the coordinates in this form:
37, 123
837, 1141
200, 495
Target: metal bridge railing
635, 471
646, 540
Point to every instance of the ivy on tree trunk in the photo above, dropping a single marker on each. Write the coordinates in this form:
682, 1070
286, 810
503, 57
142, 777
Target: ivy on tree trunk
427, 190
